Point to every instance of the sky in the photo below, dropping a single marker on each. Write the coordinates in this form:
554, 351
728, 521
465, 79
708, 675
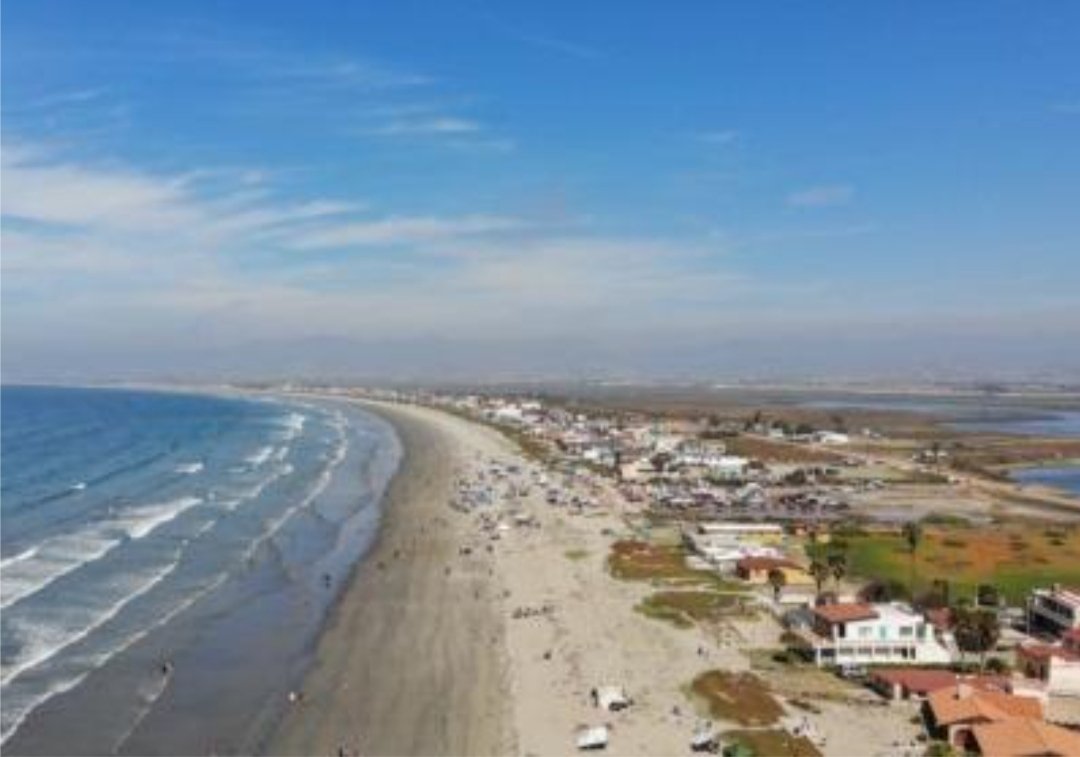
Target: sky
545, 190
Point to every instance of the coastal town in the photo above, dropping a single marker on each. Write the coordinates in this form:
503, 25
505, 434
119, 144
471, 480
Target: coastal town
749, 586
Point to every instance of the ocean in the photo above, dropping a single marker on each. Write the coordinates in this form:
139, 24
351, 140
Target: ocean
167, 561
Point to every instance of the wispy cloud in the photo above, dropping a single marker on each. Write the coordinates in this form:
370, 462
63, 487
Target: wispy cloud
820, 196
427, 126
344, 73
67, 97
398, 230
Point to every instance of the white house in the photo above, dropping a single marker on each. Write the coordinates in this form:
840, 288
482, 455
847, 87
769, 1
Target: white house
1055, 610
1056, 665
831, 437
853, 633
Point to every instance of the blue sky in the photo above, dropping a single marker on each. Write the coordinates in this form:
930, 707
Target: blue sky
559, 188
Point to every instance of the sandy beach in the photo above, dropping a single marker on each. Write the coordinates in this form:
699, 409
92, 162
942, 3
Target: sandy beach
460, 636
412, 661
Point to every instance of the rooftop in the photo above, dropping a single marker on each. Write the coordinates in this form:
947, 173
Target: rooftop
1025, 736
846, 612
960, 704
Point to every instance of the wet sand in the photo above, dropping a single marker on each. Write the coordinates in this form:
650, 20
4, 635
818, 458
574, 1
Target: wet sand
413, 659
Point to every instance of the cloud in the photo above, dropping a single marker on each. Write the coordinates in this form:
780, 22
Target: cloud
824, 195
69, 97
399, 230
344, 73
48, 197
69, 194
427, 126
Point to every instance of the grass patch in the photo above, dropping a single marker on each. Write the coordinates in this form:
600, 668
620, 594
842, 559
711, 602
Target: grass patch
739, 697
1008, 557
576, 554
773, 742
684, 608
642, 561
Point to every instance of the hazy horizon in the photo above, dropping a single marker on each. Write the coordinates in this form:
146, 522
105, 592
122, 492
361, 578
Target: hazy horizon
883, 191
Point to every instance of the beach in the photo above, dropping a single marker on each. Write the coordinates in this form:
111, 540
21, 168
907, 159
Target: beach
412, 660
484, 631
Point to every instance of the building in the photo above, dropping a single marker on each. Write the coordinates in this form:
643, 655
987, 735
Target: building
769, 531
896, 684
756, 569
1056, 665
1054, 611
1024, 737
952, 714
856, 633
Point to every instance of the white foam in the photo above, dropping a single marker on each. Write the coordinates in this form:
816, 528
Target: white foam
259, 457
53, 558
59, 555
140, 521
78, 487
55, 629
320, 485
189, 468
14, 713
24, 555
293, 424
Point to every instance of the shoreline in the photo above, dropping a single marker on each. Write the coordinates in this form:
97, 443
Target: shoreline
406, 627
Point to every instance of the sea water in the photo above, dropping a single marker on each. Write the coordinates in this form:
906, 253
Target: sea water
167, 560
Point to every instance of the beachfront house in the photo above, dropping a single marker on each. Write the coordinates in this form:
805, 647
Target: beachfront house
856, 633
1056, 665
756, 569
953, 713
1053, 611
900, 683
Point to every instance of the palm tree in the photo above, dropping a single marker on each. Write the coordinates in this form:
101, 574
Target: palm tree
820, 572
838, 567
976, 631
913, 535
777, 580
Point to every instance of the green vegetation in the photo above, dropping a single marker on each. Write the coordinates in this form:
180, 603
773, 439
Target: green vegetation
684, 608
1012, 559
773, 743
740, 697
576, 554
660, 564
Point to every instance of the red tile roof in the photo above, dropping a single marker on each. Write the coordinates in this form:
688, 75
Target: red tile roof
923, 681
953, 706
845, 612
764, 563
1023, 737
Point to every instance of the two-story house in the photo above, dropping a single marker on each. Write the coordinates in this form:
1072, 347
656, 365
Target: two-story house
855, 633
1054, 611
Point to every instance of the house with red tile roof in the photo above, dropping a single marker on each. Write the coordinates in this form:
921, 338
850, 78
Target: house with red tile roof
1056, 665
756, 569
919, 683
952, 713
1025, 737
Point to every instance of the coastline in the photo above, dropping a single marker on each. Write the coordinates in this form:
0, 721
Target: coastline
412, 659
